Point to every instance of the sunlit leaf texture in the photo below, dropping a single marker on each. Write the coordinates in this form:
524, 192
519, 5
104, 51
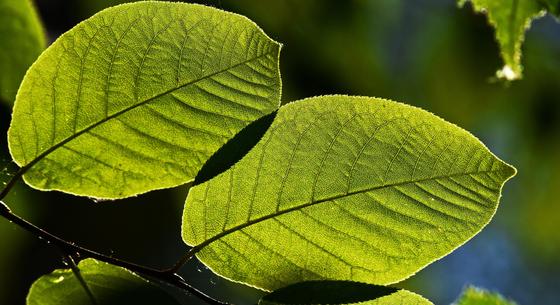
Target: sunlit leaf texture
341, 292
109, 285
510, 19
345, 188
477, 296
21, 41
139, 96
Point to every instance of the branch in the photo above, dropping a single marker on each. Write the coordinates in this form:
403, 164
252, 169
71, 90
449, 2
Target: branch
78, 274
171, 278
183, 260
168, 276
12, 182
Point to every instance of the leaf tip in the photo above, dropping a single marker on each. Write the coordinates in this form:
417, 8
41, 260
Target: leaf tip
509, 171
508, 73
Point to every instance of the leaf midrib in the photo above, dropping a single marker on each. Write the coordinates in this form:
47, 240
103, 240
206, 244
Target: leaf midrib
207, 242
512, 27
26, 167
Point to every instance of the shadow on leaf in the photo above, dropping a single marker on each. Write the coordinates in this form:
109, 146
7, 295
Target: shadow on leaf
234, 149
327, 292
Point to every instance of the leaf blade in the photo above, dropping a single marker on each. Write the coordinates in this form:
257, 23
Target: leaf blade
510, 20
351, 188
157, 88
476, 296
109, 285
23, 39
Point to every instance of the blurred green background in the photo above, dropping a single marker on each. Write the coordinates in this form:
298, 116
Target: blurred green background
426, 53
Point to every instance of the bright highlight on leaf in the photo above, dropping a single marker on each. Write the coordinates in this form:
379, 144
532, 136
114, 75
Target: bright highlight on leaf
510, 19
345, 188
341, 292
139, 96
21, 41
477, 296
110, 285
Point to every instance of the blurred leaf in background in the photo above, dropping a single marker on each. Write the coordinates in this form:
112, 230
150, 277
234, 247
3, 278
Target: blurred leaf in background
553, 6
510, 18
22, 40
476, 296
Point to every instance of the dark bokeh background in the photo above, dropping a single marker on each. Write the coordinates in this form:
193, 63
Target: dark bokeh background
427, 53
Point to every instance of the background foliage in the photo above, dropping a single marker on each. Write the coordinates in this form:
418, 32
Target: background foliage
426, 53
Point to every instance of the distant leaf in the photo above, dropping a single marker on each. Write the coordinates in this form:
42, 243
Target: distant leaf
345, 188
552, 6
139, 96
477, 296
22, 40
341, 292
510, 19
110, 285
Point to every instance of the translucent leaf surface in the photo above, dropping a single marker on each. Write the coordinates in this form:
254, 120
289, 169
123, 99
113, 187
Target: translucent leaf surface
139, 96
341, 292
510, 19
477, 296
22, 40
345, 188
110, 285
235, 149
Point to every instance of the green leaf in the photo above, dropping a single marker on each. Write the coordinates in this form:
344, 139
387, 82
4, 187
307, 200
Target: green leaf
22, 41
510, 19
477, 296
341, 292
234, 149
110, 285
345, 188
552, 6
139, 96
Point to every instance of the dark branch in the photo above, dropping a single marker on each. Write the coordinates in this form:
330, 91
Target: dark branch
12, 182
181, 262
166, 276
70, 261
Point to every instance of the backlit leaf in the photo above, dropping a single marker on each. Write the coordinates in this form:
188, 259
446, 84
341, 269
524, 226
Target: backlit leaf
552, 6
110, 285
21, 41
235, 149
139, 96
477, 296
344, 188
510, 19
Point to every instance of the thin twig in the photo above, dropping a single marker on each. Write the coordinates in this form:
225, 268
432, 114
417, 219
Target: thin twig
4, 209
167, 276
69, 247
181, 262
70, 261
12, 182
